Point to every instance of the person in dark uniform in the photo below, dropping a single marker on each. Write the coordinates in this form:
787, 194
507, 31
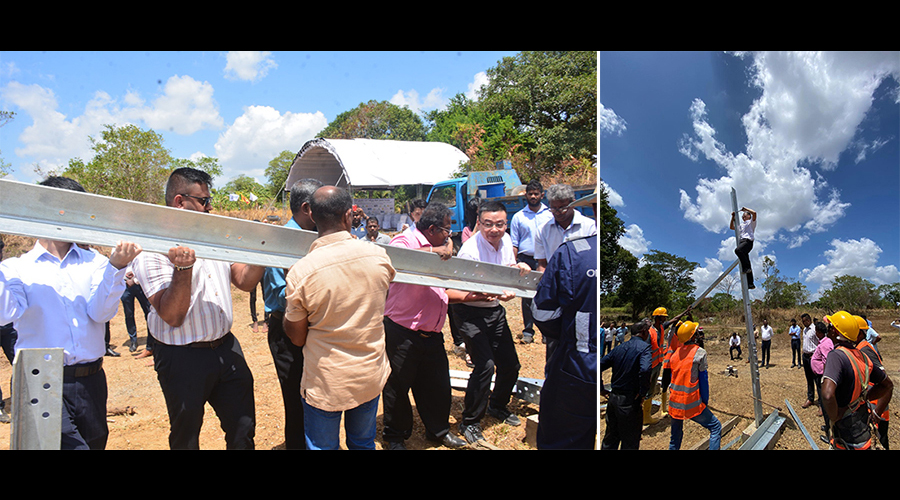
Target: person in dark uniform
568, 413
630, 384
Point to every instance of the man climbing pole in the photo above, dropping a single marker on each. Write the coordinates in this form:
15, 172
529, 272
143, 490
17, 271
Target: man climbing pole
747, 230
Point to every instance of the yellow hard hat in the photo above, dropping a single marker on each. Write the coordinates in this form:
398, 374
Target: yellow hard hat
660, 311
863, 324
687, 330
845, 324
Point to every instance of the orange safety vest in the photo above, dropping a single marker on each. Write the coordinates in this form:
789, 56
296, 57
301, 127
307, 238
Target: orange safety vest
862, 366
684, 394
656, 347
886, 415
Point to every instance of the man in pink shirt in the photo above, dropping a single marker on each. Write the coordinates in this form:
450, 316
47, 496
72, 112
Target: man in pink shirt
413, 319
817, 362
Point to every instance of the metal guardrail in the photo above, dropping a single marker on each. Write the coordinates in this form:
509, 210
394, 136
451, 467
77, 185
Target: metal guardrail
63, 215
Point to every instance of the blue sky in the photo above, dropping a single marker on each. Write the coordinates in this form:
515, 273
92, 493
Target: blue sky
811, 141
243, 108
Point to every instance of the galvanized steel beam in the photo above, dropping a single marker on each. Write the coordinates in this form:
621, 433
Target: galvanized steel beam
37, 386
63, 215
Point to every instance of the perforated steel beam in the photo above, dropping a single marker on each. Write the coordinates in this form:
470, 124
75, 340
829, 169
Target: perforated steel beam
58, 214
37, 383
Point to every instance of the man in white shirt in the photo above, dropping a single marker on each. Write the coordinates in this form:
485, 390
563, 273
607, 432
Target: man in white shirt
196, 357
485, 330
567, 223
734, 344
522, 228
810, 341
765, 334
60, 294
747, 230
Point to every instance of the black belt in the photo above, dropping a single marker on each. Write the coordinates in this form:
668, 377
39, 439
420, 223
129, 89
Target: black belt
83, 369
212, 344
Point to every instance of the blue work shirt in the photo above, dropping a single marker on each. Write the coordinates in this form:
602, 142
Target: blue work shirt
524, 224
630, 363
273, 282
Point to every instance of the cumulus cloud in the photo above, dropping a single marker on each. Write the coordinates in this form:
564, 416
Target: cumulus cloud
259, 135
609, 122
633, 240
248, 65
185, 106
851, 257
614, 199
479, 81
411, 99
808, 113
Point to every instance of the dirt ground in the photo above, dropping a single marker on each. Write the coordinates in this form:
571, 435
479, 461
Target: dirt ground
133, 386
732, 397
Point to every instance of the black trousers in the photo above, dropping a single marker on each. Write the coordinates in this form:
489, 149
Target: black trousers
810, 377
527, 317
84, 425
766, 352
418, 363
288, 360
131, 293
743, 253
192, 376
490, 345
624, 421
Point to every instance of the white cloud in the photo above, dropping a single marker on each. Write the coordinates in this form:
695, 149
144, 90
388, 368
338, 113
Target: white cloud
810, 108
250, 66
704, 276
609, 122
852, 257
185, 106
480, 80
259, 135
411, 99
614, 199
633, 240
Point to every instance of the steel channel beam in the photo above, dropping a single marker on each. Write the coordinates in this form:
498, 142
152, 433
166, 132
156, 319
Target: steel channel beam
761, 439
37, 383
58, 214
809, 439
748, 316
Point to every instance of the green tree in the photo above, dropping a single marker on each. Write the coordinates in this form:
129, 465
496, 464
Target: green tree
278, 170
780, 292
128, 163
553, 96
207, 164
850, 293
376, 120
485, 137
890, 295
646, 288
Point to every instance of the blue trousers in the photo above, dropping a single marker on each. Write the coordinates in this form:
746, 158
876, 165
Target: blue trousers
705, 419
323, 428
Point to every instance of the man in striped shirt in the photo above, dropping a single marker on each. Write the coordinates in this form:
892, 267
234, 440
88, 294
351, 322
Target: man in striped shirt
197, 359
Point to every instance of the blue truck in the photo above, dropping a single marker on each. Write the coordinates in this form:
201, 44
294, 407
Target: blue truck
502, 184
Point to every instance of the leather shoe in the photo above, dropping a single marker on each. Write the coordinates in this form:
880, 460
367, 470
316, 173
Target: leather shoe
132, 345
451, 441
807, 404
111, 352
396, 445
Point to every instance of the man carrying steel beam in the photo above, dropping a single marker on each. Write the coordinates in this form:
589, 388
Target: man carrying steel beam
196, 357
485, 330
60, 294
413, 319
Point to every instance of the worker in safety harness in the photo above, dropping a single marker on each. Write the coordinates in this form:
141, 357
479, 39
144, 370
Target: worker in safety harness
846, 386
865, 347
672, 344
657, 352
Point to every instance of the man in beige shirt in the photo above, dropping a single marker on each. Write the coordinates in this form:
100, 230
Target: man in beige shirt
335, 299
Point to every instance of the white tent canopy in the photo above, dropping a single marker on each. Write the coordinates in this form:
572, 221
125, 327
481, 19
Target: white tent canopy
375, 164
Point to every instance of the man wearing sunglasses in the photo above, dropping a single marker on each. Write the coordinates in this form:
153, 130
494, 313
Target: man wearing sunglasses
196, 357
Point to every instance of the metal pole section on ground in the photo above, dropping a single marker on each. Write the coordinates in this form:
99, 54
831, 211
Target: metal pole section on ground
37, 399
751, 341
